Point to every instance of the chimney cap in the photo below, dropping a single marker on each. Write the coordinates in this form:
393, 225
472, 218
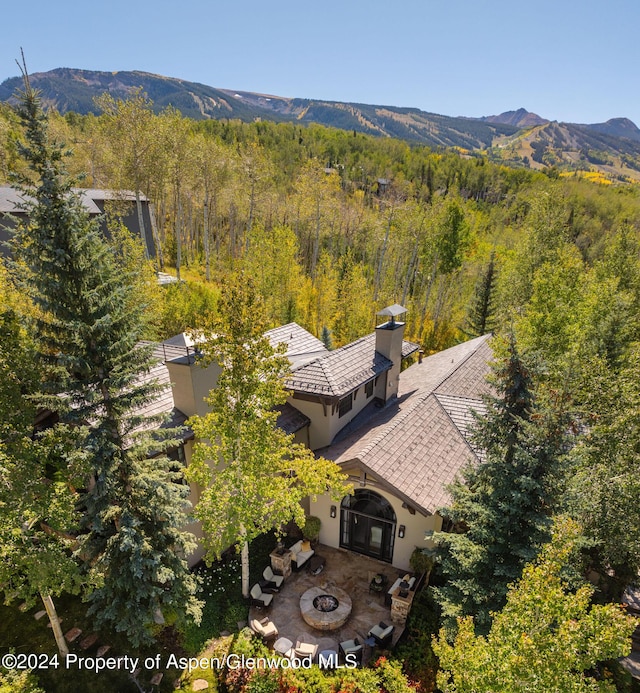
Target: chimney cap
392, 311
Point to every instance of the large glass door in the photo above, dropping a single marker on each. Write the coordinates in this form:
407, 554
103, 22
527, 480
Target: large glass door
368, 525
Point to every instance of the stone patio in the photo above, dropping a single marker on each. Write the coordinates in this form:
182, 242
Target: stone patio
343, 569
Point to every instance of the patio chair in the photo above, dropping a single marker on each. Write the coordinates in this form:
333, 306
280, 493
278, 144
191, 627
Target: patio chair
275, 581
382, 634
260, 598
305, 649
265, 628
353, 648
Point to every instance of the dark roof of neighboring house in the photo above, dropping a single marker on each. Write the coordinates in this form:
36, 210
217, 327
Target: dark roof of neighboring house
341, 371
11, 199
418, 445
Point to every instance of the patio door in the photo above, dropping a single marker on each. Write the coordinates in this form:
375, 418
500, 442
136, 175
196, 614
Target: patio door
368, 525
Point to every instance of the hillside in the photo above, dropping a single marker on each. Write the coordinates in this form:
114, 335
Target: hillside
517, 138
571, 147
74, 90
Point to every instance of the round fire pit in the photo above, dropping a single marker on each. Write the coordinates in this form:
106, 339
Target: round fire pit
326, 603
325, 609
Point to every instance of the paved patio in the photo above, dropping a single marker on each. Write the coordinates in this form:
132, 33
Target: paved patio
352, 573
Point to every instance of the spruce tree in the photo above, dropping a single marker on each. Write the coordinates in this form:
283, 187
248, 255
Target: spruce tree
501, 506
481, 311
88, 326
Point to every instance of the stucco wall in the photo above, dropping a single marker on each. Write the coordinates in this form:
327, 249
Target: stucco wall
415, 527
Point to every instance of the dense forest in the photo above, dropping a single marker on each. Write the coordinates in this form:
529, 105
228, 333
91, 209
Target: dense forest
334, 225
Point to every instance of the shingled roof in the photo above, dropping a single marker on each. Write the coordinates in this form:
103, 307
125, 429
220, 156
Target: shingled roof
302, 346
420, 447
341, 371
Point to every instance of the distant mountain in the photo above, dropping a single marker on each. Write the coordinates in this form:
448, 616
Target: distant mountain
567, 146
520, 118
517, 138
73, 90
618, 127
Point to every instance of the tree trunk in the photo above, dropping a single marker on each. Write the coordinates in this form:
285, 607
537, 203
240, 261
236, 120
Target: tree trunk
55, 623
143, 233
156, 237
178, 234
205, 239
245, 565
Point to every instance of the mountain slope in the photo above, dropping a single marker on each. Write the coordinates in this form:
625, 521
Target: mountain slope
73, 90
520, 118
517, 138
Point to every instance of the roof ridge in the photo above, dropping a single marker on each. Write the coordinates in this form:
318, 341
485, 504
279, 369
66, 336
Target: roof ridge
437, 396
485, 339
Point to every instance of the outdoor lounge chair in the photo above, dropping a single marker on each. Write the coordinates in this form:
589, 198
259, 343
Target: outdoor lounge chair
382, 634
305, 649
301, 552
275, 581
351, 647
264, 628
260, 598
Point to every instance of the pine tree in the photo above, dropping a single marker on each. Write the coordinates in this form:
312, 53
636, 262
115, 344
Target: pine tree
88, 326
501, 505
480, 316
548, 637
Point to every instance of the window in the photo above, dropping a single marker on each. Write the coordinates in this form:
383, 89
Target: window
345, 405
368, 389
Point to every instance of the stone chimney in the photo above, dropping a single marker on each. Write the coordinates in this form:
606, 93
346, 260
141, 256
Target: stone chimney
389, 337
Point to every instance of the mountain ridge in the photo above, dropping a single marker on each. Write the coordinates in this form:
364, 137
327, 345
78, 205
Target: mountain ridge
518, 138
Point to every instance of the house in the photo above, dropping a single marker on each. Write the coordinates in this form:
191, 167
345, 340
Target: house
95, 201
401, 435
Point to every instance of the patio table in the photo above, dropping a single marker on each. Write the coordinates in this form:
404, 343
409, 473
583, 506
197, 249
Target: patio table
283, 646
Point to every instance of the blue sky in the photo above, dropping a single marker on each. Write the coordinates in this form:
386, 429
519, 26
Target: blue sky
568, 60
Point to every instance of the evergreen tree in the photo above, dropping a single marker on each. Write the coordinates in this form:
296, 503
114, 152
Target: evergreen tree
501, 506
88, 325
548, 637
481, 311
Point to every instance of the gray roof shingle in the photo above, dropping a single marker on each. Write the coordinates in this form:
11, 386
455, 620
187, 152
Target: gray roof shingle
339, 372
421, 449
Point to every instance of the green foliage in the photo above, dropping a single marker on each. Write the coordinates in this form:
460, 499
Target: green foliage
252, 474
546, 638
87, 327
502, 504
311, 529
481, 315
13, 681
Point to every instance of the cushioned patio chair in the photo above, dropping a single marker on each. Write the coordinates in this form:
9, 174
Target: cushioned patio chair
382, 634
353, 648
274, 580
260, 598
265, 628
305, 649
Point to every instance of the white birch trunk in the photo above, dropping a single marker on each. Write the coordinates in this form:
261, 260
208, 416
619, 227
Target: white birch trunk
55, 623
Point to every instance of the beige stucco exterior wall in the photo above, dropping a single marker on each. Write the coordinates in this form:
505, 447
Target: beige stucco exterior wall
323, 429
415, 527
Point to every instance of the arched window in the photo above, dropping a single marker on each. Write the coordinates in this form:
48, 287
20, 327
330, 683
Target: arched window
368, 524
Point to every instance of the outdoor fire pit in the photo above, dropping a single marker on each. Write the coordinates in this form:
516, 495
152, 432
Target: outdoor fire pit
326, 603
325, 608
